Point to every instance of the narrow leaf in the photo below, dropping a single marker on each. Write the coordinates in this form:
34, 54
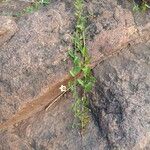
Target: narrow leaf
81, 82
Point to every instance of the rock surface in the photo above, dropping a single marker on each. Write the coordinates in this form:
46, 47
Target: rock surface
120, 101
35, 58
8, 28
112, 28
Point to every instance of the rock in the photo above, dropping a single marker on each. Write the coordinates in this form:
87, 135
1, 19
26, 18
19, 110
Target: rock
33, 60
34, 57
112, 28
120, 100
12, 7
8, 28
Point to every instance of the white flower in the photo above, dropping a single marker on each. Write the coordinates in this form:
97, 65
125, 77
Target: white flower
63, 88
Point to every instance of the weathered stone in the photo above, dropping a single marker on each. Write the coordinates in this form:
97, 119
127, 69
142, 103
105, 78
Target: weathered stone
120, 101
112, 28
34, 57
12, 7
7, 29
33, 60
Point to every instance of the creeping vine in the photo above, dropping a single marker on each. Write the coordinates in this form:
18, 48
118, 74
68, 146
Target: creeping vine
81, 61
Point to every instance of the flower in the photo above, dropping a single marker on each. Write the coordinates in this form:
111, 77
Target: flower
63, 88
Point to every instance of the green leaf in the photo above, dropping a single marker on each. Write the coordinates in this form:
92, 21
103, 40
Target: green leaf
29, 9
86, 70
136, 7
81, 82
84, 51
76, 60
92, 79
75, 71
80, 26
71, 54
148, 6
72, 73
45, 2
88, 87
87, 60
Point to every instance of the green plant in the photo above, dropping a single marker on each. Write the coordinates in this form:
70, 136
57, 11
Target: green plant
81, 64
35, 6
32, 8
141, 7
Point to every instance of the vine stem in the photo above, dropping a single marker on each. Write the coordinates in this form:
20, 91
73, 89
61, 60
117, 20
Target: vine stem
55, 100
